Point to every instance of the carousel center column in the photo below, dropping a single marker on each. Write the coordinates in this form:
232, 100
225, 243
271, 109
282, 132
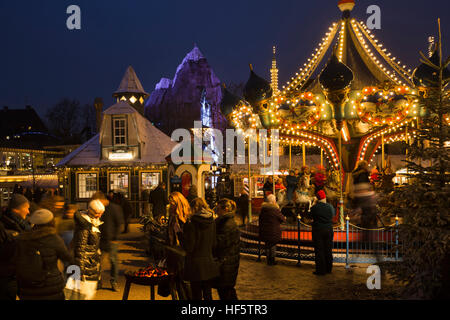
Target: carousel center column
335, 80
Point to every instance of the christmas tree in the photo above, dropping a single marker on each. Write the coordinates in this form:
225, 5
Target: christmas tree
423, 204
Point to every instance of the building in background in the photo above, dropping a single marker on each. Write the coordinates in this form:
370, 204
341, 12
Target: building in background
128, 155
28, 152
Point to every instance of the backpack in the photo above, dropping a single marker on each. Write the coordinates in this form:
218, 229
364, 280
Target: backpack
30, 269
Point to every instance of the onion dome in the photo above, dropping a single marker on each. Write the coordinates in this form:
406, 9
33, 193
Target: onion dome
426, 76
346, 5
336, 75
228, 102
256, 89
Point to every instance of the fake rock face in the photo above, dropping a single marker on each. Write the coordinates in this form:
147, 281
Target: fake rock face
177, 103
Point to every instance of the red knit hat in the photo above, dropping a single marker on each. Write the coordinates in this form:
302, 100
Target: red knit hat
321, 195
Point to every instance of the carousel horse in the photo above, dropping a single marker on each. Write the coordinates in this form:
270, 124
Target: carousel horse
331, 187
304, 194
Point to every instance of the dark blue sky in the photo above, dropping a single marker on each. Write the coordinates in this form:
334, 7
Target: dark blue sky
41, 61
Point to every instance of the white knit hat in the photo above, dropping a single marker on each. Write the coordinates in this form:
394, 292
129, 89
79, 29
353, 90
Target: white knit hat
41, 216
97, 206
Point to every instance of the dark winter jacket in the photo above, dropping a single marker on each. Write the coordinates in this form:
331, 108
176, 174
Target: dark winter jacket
270, 219
242, 205
14, 222
158, 198
7, 249
322, 214
267, 188
227, 250
291, 183
51, 248
360, 176
199, 240
86, 242
112, 220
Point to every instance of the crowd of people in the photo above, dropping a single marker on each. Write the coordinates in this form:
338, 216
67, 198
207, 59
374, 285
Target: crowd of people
40, 236
202, 250
203, 247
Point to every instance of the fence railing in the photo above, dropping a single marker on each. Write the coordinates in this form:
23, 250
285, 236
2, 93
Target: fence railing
351, 243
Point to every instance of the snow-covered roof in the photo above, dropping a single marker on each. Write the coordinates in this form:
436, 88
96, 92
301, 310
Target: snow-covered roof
130, 83
155, 145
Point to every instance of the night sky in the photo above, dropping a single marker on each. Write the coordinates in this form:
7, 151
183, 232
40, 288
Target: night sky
41, 61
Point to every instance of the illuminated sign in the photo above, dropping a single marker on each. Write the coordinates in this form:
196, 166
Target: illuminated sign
120, 156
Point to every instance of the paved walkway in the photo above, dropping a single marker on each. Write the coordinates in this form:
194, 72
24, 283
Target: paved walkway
256, 280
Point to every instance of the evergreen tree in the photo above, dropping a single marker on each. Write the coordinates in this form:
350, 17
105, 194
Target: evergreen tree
423, 204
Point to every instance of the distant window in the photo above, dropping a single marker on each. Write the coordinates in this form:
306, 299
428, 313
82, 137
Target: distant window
87, 185
118, 182
120, 131
150, 180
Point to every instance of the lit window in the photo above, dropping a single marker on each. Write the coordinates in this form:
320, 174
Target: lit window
150, 180
87, 185
133, 99
118, 182
141, 100
119, 131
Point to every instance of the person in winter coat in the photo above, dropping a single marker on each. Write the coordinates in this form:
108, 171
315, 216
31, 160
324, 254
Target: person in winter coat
15, 217
66, 227
291, 183
8, 283
268, 187
158, 198
364, 196
199, 239
242, 206
227, 250
112, 220
179, 211
192, 193
50, 247
13, 222
126, 209
322, 234
270, 219
86, 241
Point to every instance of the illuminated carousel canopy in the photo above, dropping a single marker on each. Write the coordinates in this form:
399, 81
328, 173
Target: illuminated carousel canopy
381, 92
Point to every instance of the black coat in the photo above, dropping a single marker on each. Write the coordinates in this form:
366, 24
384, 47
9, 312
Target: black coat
360, 176
86, 247
322, 214
242, 205
7, 249
158, 198
51, 248
199, 239
227, 250
13, 222
112, 220
270, 219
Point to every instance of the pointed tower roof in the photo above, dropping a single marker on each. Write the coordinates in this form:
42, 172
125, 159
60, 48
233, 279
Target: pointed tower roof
130, 83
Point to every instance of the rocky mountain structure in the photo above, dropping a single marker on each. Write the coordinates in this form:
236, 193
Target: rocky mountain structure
194, 94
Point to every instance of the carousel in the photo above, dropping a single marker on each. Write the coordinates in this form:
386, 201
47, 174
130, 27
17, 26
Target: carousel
350, 98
